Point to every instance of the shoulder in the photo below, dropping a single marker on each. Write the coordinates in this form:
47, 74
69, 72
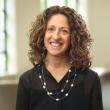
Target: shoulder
90, 73
92, 85
91, 77
29, 74
93, 74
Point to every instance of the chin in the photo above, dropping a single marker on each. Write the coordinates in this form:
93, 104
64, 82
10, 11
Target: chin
57, 54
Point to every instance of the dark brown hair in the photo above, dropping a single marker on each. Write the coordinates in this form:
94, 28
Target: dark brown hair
80, 38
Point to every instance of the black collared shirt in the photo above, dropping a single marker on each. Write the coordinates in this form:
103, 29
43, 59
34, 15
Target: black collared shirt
84, 95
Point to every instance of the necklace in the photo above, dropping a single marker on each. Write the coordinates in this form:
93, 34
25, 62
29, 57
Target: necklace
63, 93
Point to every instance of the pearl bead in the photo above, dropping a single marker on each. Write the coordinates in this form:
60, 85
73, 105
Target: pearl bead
40, 76
44, 87
62, 90
57, 99
44, 83
72, 85
49, 93
69, 70
66, 94
66, 81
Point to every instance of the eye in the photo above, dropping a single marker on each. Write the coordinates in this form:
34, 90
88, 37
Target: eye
50, 29
64, 31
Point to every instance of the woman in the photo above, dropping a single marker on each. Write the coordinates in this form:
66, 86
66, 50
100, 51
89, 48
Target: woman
61, 78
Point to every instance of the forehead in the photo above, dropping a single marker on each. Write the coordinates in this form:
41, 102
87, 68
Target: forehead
58, 20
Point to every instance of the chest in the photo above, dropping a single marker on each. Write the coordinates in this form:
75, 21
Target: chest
76, 100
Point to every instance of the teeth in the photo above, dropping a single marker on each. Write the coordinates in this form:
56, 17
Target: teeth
55, 44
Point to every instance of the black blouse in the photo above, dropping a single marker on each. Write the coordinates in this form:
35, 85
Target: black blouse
85, 94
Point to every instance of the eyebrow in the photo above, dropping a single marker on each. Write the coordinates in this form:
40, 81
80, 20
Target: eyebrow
59, 27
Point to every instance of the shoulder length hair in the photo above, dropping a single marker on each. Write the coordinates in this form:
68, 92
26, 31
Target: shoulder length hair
80, 38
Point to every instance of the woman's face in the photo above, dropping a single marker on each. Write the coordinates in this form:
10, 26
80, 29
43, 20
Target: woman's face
57, 36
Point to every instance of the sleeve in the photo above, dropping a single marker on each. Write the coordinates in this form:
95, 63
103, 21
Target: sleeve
97, 103
22, 101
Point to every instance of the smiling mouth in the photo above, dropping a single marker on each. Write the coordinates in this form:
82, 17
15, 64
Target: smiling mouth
55, 44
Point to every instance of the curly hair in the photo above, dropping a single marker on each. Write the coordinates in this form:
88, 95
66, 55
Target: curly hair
80, 37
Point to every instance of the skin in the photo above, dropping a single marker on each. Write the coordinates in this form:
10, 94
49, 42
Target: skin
57, 36
57, 43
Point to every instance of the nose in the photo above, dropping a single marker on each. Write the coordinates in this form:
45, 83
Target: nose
56, 34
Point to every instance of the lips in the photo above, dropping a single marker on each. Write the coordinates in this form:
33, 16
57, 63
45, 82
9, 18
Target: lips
55, 44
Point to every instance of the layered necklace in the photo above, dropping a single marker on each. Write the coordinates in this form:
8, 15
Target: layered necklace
63, 92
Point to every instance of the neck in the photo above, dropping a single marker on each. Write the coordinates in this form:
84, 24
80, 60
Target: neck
57, 66
56, 62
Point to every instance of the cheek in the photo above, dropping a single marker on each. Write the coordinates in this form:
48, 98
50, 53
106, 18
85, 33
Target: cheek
46, 36
45, 39
68, 41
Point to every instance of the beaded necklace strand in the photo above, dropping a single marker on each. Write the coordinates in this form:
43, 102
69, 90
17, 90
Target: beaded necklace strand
62, 91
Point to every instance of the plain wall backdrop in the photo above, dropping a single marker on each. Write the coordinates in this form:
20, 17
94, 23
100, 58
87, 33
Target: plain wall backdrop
26, 10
